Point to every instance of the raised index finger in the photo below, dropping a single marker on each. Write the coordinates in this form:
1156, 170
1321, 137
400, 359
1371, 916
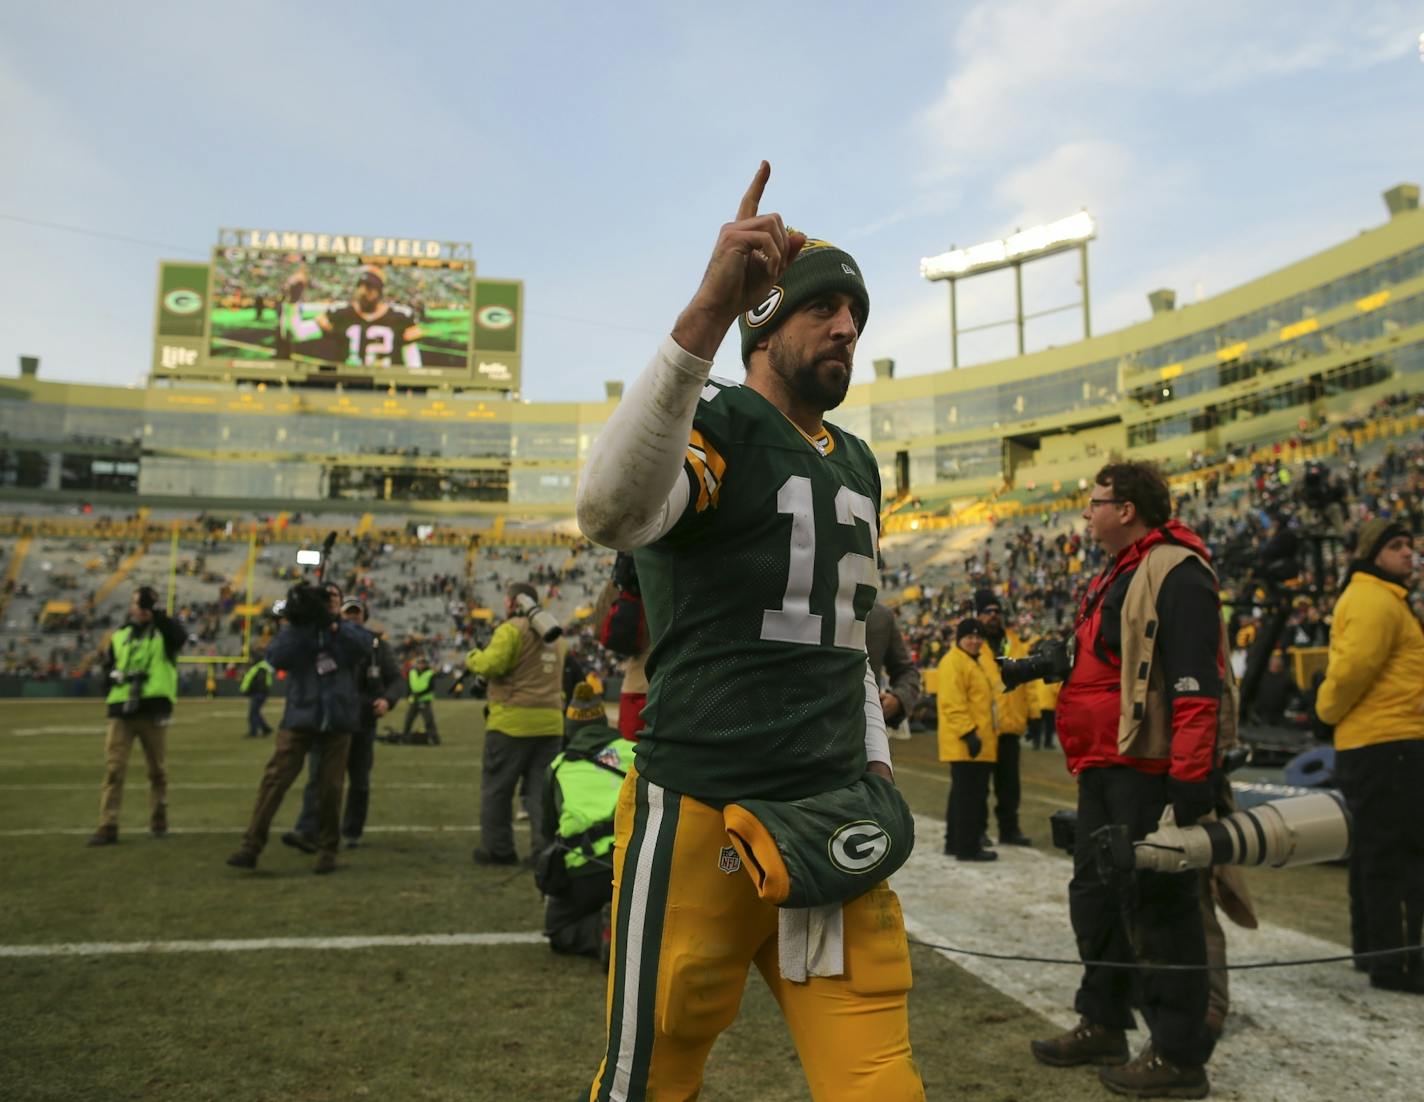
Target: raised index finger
752, 199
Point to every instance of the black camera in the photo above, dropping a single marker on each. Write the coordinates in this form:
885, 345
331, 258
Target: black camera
306, 606
625, 573
1050, 663
135, 682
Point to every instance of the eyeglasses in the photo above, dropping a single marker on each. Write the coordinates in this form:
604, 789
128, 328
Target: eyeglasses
1093, 502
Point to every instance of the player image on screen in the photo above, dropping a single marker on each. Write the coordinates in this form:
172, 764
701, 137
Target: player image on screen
314, 310
377, 333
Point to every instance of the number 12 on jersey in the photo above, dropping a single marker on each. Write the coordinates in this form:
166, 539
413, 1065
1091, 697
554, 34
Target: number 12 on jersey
794, 622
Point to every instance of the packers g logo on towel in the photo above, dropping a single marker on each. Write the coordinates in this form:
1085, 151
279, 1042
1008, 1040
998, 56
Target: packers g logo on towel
858, 847
762, 314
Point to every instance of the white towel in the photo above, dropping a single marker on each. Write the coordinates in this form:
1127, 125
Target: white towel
810, 941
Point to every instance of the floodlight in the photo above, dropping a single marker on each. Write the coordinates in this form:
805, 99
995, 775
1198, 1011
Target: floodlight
1019, 246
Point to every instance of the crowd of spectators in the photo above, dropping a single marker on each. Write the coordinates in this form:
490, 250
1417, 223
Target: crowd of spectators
431, 599
1278, 533
1265, 520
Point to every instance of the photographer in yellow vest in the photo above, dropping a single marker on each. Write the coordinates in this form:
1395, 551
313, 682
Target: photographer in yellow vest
524, 724
141, 664
575, 872
421, 683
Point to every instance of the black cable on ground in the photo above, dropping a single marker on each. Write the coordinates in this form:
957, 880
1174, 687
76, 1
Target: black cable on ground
1149, 966
1145, 966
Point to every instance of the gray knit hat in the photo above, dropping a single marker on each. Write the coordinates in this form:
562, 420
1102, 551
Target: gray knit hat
819, 267
1374, 534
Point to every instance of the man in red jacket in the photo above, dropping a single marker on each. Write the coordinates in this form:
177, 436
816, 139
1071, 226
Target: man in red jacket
1137, 718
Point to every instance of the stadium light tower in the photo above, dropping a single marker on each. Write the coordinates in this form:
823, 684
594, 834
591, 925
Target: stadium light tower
1014, 251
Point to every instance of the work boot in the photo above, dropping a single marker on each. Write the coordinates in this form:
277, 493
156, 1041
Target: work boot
325, 863
106, 835
1085, 1043
158, 822
297, 840
1410, 983
979, 855
243, 859
1152, 1075
485, 857
1014, 837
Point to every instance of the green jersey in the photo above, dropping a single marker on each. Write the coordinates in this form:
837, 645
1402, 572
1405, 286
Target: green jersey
756, 603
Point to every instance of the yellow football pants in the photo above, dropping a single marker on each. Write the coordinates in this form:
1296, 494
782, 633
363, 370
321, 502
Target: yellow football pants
687, 925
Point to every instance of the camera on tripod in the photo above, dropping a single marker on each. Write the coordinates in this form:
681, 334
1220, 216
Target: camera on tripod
545, 626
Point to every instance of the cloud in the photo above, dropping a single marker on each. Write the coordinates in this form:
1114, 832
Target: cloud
1025, 70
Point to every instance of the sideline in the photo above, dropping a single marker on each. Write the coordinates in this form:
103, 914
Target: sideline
249, 945
1313, 1032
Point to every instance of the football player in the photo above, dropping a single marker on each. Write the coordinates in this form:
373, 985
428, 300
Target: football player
755, 527
377, 332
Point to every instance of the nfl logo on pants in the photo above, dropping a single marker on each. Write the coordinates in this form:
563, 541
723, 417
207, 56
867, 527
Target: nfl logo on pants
728, 861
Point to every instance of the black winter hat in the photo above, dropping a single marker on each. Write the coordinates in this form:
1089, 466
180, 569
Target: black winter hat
984, 600
819, 267
968, 626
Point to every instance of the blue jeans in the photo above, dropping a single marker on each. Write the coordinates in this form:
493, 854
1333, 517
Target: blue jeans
255, 723
359, 761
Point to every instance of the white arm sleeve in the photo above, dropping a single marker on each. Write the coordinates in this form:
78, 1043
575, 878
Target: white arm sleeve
877, 743
632, 490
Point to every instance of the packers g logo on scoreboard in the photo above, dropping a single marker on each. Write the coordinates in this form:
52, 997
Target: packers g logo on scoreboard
496, 317
182, 301
858, 847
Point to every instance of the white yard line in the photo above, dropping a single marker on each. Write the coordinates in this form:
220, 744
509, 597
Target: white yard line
215, 786
39, 832
1294, 1034
248, 945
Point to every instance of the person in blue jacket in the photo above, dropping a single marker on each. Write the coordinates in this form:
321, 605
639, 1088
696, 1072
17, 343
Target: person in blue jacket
321, 654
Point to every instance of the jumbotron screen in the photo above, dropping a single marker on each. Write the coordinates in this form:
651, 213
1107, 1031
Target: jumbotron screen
341, 313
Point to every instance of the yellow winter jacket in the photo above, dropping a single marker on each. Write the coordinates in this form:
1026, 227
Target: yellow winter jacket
1019, 705
1047, 695
1373, 690
965, 699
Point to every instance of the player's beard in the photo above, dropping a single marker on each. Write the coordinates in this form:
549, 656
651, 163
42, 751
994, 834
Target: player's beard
810, 376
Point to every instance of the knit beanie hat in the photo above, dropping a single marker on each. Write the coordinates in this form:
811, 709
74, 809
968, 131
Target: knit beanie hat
819, 267
968, 626
584, 708
1374, 534
984, 600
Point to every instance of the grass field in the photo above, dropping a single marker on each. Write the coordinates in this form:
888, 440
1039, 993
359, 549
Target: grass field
499, 1021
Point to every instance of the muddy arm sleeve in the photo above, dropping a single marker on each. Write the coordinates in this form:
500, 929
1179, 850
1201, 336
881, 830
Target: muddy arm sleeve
633, 489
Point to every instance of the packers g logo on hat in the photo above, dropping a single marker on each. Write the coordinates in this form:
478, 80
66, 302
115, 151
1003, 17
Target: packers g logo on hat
819, 268
858, 847
762, 314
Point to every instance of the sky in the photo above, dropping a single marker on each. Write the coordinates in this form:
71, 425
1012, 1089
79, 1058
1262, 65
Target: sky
595, 150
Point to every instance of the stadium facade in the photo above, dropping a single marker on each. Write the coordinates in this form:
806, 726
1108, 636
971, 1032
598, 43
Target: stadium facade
1331, 332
